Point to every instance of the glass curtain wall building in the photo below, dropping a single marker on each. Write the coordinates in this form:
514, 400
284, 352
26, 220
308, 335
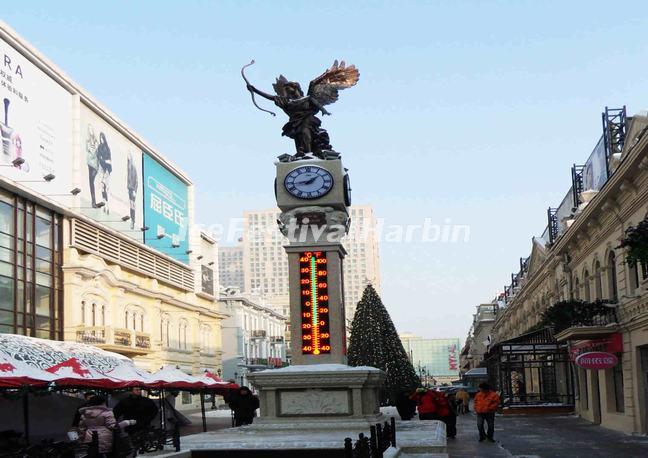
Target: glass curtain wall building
30, 269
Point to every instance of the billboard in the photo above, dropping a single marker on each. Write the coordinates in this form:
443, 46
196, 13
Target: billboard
595, 171
36, 127
166, 212
110, 176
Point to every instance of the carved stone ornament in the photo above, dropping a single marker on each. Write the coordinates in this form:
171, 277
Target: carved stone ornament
314, 224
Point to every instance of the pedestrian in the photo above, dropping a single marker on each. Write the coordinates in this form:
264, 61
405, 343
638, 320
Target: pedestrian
136, 407
425, 404
445, 413
487, 402
244, 406
97, 417
463, 400
77, 415
448, 412
405, 406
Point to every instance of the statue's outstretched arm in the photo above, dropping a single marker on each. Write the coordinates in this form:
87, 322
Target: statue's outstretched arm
265, 95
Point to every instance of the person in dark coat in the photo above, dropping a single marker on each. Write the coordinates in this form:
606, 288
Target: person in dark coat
448, 413
244, 405
136, 407
405, 406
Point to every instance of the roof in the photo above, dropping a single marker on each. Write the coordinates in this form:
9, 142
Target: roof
477, 372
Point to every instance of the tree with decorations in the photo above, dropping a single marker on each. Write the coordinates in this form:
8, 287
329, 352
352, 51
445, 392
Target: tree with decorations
374, 342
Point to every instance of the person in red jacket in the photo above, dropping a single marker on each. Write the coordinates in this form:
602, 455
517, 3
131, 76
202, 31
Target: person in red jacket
487, 402
425, 404
447, 413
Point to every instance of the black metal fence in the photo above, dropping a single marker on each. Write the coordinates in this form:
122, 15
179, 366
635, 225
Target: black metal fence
381, 437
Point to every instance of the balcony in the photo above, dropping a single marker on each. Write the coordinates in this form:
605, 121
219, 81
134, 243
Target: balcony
591, 326
122, 341
257, 362
277, 339
258, 334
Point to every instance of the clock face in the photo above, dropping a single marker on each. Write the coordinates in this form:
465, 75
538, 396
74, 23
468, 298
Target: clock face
308, 182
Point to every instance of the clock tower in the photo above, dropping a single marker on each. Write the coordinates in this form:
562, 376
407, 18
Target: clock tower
319, 388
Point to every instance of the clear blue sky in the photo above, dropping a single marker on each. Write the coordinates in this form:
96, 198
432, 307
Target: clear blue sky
472, 111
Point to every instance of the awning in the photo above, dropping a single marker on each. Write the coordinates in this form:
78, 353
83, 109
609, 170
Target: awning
14, 374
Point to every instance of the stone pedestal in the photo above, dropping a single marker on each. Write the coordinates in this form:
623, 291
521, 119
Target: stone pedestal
329, 396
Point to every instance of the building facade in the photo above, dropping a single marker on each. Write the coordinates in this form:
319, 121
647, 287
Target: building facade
254, 337
436, 361
265, 262
479, 337
583, 259
230, 267
95, 238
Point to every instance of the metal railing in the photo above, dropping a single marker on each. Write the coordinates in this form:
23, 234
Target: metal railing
107, 335
381, 437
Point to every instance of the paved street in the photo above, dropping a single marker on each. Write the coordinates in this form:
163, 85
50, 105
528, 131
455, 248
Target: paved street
544, 437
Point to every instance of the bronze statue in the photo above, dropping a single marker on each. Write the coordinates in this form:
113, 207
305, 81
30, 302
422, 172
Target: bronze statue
303, 126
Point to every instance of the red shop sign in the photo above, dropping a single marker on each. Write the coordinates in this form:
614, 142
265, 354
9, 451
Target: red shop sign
595, 360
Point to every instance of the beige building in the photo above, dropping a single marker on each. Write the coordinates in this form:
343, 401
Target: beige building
479, 336
265, 262
581, 259
96, 244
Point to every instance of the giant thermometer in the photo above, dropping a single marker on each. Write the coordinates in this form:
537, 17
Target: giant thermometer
313, 275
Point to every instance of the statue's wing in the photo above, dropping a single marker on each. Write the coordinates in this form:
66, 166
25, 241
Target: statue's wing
325, 87
280, 86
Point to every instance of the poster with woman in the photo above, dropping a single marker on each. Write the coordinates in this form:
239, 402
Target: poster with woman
35, 127
111, 185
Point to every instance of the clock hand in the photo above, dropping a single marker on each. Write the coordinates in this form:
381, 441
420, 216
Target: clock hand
309, 181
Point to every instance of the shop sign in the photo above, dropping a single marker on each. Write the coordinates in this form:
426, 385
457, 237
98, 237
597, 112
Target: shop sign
596, 360
609, 344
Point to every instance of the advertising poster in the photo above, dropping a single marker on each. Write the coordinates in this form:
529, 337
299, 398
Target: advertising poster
595, 172
166, 212
36, 127
207, 280
111, 176
565, 211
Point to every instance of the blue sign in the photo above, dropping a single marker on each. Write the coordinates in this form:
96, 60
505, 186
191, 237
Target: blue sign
165, 210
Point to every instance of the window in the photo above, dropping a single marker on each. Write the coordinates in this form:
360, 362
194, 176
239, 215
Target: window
576, 292
617, 377
612, 277
597, 281
633, 277
586, 283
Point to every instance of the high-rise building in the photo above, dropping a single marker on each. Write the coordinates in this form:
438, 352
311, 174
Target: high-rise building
265, 263
434, 360
230, 267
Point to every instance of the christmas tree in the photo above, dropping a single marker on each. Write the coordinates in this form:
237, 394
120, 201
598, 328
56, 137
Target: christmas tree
374, 342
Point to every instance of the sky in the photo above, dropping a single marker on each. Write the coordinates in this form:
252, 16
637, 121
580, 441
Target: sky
466, 112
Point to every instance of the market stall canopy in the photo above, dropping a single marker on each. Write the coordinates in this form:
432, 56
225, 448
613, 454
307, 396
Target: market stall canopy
14, 374
173, 378
216, 384
72, 373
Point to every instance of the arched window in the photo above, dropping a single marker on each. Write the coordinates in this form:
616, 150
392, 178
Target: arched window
612, 277
164, 330
598, 289
182, 334
94, 314
576, 291
586, 284
83, 312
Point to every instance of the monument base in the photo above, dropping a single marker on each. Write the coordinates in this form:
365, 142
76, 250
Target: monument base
319, 396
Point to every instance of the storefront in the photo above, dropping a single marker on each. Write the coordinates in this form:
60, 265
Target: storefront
30, 269
532, 370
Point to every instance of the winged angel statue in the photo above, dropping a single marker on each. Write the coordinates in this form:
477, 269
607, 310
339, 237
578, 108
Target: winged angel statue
303, 126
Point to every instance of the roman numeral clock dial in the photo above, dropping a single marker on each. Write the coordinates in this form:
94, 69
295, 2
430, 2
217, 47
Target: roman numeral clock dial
308, 182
